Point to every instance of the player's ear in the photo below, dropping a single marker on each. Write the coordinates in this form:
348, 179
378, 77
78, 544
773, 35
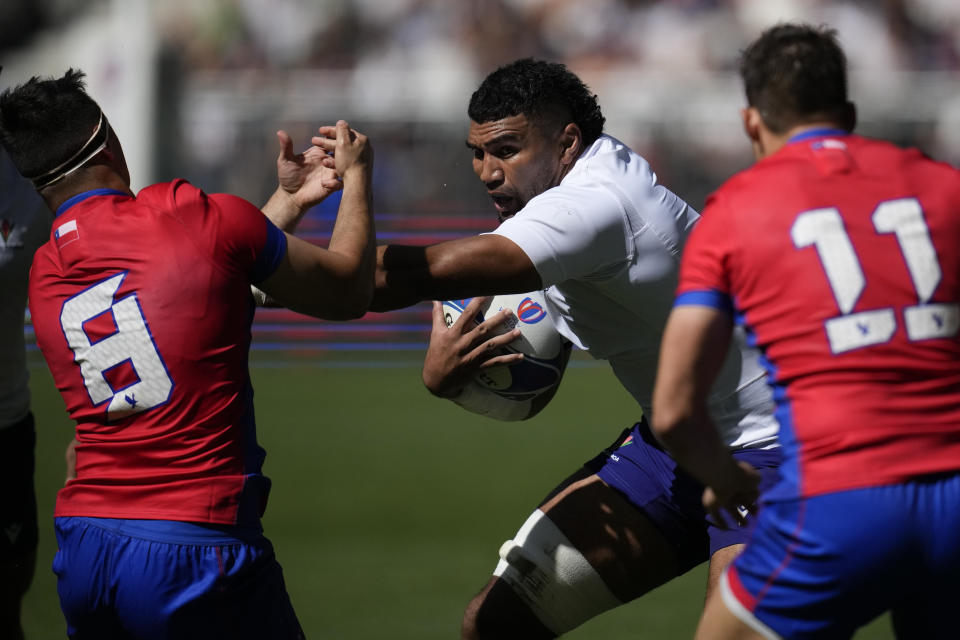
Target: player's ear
751, 123
571, 143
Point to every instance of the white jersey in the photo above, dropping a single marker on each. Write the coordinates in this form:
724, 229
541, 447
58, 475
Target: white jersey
606, 242
24, 225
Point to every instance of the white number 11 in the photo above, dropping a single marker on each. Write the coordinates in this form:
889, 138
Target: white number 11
823, 228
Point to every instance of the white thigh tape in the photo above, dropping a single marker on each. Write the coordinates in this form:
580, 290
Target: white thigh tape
552, 577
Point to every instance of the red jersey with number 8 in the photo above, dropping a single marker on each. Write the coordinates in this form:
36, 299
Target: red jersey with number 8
142, 309
841, 256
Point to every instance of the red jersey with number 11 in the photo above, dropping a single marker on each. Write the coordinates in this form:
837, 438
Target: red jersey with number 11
142, 309
841, 256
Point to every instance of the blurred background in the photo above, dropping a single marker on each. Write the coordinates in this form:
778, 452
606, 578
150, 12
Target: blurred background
371, 540
197, 88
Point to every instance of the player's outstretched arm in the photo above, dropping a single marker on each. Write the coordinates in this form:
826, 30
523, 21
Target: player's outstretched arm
457, 352
303, 180
695, 343
487, 264
335, 283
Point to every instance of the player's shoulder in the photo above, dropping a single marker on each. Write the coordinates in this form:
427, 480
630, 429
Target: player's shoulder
181, 195
908, 164
740, 183
920, 161
45, 263
607, 173
609, 159
167, 191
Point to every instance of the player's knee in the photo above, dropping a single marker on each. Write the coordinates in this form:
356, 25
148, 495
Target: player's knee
549, 577
498, 614
468, 628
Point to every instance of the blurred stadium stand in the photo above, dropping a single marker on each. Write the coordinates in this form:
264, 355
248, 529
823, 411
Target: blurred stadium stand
198, 87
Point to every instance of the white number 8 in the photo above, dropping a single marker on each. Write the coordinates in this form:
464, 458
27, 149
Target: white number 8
130, 342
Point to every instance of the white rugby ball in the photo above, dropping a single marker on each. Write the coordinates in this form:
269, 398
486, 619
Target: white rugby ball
520, 390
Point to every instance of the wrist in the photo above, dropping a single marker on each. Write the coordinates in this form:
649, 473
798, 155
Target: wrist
291, 201
440, 390
358, 171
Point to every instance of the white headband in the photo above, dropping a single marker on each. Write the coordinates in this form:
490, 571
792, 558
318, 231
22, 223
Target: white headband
58, 173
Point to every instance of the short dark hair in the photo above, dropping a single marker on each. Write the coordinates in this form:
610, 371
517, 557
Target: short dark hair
797, 73
542, 91
45, 122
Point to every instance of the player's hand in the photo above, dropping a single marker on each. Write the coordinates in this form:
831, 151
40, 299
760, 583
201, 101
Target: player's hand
70, 456
350, 148
456, 353
736, 495
306, 177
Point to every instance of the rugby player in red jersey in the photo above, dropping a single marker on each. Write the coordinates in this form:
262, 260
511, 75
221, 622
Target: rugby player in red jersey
839, 255
142, 308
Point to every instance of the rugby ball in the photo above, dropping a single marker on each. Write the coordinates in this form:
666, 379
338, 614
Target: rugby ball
520, 390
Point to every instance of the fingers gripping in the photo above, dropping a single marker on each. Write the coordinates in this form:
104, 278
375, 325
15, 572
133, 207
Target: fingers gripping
482, 342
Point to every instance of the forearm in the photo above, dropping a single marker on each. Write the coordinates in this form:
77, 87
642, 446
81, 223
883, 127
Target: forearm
353, 238
283, 210
694, 346
398, 269
693, 441
395, 296
456, 269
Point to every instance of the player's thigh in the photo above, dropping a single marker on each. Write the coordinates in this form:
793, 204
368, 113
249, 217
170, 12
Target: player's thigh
719, 562
585, 551
666, 500
499, 611
718, 623
630, 554
635, 516
598, 541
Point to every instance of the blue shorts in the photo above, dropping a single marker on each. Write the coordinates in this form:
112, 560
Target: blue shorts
822, 566
18, 500
154, 580
638, 467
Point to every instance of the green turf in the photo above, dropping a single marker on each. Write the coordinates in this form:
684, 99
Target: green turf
388, 506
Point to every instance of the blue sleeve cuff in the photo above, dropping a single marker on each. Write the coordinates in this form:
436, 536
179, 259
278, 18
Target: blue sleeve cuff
705, 298
273, 251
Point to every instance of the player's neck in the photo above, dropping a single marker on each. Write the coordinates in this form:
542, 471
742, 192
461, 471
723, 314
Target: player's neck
768, 142
86, 179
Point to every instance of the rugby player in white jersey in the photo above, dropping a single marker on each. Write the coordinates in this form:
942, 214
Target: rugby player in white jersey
583, 218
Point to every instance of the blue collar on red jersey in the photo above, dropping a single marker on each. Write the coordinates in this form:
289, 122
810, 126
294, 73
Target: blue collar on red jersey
817, 133
80, 197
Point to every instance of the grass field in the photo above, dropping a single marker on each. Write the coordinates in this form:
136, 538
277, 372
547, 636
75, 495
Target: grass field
388, 506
